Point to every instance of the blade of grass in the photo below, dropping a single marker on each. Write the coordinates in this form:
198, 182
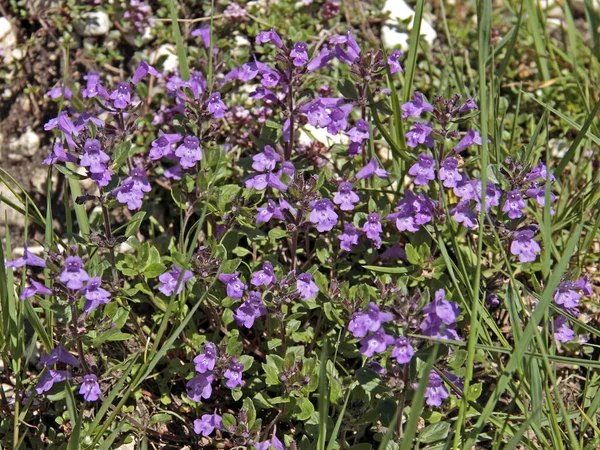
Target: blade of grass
336, 429
323, 398
413, 50
184, 68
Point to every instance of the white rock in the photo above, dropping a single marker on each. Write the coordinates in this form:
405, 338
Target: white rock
8, 39
171, 63
320, 135
93, 24
240, 43
558, 147
146, 37
394, 33
23, 146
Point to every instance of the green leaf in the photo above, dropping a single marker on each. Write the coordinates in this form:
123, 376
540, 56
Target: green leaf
134, 223
434, 433
228, 421
160, 418
277, 233
69, 173
248, 406
304, 409
413, 255
120, 154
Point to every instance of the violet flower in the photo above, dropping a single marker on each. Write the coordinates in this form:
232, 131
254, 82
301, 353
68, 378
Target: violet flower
403, 351
121, 96
323, 215
524, 246
34, 288
269, 36
93, 86
235, 288
266, 160
200, 386
94, 294
206, 361
250, 310
345, 197
216, 106
417, 106
266, 213
233, 374
420, 134
463, 214
48, 378
372, 168
449, 173
271, 444
468, 106
349, 237
514, 204
435, 391
90, 389
394, 62
306, 287
299, 55
423, 170
143, 69
363, 322
73, 275
207, 424
163, 146
189, 152
375, 343
59, 354
372, 229
28, 259
265, 277
492, 195
170, 280
472, 137
562, 333
360, 132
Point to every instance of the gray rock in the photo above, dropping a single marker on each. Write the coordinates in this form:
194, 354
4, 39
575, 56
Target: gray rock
8, 40
24, 146
93, 24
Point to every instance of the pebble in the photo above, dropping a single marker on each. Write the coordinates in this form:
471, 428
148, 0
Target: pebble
93, 24
24, 146
171, 63
394, 33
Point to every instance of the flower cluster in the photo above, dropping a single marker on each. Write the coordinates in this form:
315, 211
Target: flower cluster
567, 297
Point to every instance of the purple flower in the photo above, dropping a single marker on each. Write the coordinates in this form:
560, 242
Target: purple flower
423, 170
375, 343
351, 53
320, 60
121, 96
73, 276
449, 173
323, 215
234, 12
93, 86
394, 62
94, 294
435, 391
539, 171
463, 214
372, 229
163, 145
472, 137
197, 83
269, 36
93, 157
306, 287
412, 211
200, 386
59, 354
250, 310
143, 69
170, 280
189, 152
57, 92
345, 197
360, 131
446, 311
207, 424
403, 351
266, 213
235, 288
48, 379
34, 288
468, 106
539, 193
349, 237
416, 107
266, 276
57, 154
204, 33
299, 54
363, 322
234, 374
28, 259
270, 444
258, 182
266, 160
127, 194
524, 246
420, 134
585, 285
339, 118
372, 168
206, 361
90, 389
465, 189
492, 195
216, 106
566, 296
562, 333
514, 204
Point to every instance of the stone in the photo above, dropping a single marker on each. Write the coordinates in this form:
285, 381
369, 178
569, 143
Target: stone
13, 218
8, 40
394, 33
171, 62
93, 24
24, 146
308, 134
